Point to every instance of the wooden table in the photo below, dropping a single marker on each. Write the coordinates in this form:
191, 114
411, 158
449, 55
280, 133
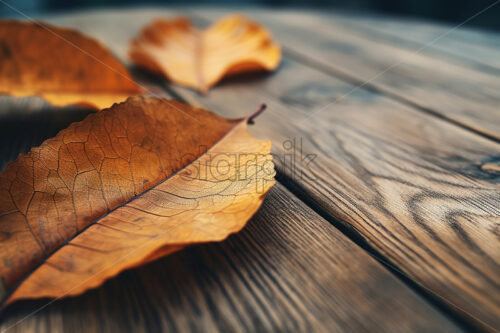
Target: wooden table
395, 224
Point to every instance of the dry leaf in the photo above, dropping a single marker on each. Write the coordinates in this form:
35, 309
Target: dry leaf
199, 59
61, 65
122, 187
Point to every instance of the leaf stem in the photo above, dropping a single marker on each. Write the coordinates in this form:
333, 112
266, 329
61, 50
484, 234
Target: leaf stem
254, 115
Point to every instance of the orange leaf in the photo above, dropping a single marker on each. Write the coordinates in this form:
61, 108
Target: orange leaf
199, 59
61, 65
122, 187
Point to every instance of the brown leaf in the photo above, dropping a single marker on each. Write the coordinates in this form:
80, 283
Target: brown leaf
61, 65
199, 59
122, 187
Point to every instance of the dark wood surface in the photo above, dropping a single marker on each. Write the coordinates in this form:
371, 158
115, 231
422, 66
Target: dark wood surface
291, 271
405, 169
451, 89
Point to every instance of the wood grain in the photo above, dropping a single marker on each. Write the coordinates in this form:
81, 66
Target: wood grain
290, 271
447, 89
414, 187
19, 116
473, 48
287, 271
421, 191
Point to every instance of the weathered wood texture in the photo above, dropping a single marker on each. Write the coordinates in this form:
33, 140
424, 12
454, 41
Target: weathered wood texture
476, 49
421, 191
291, 271
287, 271
27, 122
448, 89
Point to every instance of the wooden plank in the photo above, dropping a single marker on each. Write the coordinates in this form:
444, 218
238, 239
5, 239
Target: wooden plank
421, 191
417, 189
458, 93
473, 48
27, 122
291, 271
287, 271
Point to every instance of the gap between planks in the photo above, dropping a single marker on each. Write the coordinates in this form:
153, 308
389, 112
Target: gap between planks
439, 124
435, 86
413, 108
348, 231
367, 85
459, 44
